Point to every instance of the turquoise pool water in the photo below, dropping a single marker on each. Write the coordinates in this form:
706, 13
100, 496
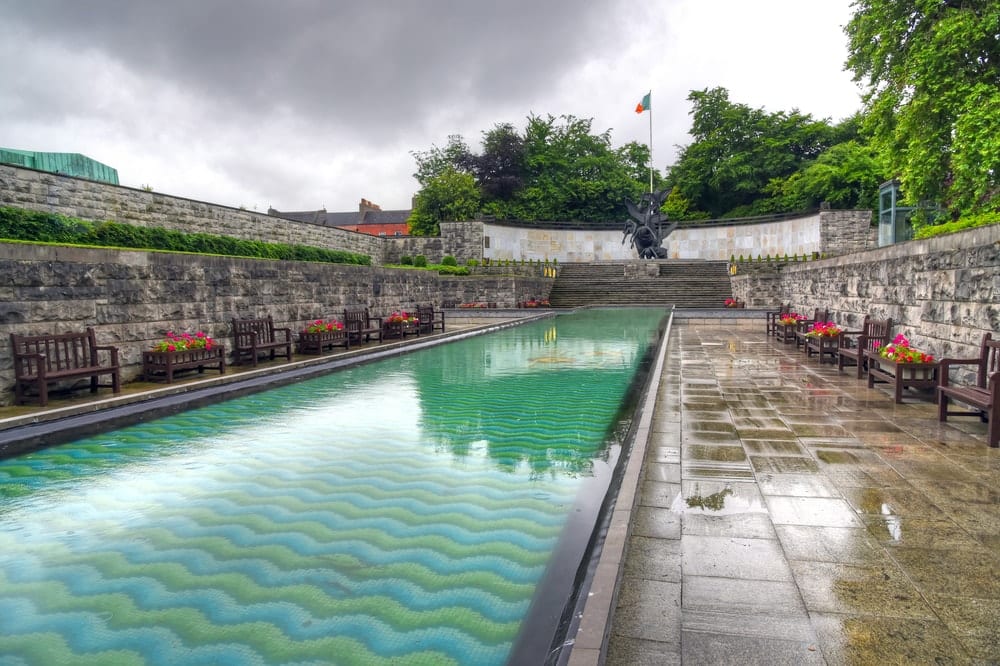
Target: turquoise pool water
398, 512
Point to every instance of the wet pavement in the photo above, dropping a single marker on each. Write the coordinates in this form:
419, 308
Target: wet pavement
788, 514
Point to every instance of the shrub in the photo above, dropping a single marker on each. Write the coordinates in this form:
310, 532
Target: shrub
448, 260
406, 260
471, 262
19, 224
453, 270
420, 261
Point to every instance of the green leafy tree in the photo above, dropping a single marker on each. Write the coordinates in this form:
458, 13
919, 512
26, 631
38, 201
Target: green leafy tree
558, 169
737, 151
573, 174
448, 196
847, 175
932, 71
434, 162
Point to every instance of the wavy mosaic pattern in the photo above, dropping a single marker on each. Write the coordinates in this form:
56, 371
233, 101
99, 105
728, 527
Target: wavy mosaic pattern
396, 513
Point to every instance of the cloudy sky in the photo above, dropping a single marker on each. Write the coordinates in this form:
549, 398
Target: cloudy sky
303, 104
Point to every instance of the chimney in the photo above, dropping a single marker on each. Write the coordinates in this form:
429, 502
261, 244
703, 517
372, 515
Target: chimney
367, 205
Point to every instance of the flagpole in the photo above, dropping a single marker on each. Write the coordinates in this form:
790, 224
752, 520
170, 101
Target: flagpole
650, 141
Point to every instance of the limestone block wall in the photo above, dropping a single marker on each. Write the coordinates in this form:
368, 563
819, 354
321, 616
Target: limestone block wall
90, 200
826, 232
131, 298
944, 292
462, 240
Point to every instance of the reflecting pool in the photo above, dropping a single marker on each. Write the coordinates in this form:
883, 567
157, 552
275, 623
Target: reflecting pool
397, 512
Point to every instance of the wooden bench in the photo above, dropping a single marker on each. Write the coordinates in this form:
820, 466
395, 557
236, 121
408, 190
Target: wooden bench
251, 337
774, 315
430, 320
43, 359
361, 326
983, 396
874, 333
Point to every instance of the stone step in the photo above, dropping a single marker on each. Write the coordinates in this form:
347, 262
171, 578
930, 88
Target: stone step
683, 283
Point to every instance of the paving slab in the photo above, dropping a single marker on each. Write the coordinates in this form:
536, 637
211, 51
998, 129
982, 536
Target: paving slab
812, 519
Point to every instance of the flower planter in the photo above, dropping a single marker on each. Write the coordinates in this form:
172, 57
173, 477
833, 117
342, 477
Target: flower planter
155, 363
400, 329
900, 375
785, 332
824, 345
317, 343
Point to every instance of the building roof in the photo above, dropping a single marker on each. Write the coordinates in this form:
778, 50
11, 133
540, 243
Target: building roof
367, 214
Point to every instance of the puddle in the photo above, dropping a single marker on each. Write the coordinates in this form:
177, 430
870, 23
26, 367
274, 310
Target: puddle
725, 502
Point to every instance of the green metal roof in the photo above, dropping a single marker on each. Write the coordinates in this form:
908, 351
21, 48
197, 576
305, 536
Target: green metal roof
69, 164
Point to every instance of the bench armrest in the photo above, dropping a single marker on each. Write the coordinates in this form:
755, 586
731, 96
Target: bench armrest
288, 333
19, 362
112, 349
945, 364
378, 319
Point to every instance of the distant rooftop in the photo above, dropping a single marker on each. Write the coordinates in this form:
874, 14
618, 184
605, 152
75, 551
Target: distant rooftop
368, 219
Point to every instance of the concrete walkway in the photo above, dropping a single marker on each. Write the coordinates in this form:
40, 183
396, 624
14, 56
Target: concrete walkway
788, 514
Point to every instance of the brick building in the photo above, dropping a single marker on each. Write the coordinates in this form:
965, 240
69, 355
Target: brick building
368, 219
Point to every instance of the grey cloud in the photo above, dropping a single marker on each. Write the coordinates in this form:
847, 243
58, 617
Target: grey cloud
342, 64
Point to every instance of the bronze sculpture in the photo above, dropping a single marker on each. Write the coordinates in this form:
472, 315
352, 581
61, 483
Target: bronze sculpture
645, 239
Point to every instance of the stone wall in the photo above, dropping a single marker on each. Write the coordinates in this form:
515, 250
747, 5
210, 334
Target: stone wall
131, 298
90, 200
462, 240
943, 293
826, 232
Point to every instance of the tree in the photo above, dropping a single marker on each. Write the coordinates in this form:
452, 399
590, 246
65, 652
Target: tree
499, 170
573, 174
932, 69
737, 151
847, 175
448, 196
557, 169
434, 162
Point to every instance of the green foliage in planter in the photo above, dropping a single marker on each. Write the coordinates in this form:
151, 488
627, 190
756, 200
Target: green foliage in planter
471, 262
453, 270
420, 261
448, 260
25, 225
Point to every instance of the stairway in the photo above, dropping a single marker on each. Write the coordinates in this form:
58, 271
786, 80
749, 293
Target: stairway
683, 283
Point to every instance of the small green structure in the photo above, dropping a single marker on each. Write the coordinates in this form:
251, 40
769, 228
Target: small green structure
68, 164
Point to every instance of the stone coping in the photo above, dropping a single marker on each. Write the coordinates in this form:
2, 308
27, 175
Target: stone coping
588, 643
